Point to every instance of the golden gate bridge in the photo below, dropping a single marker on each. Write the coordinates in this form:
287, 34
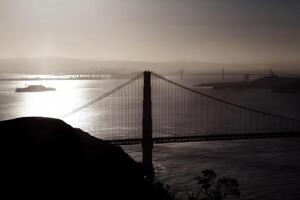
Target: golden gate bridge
150, 108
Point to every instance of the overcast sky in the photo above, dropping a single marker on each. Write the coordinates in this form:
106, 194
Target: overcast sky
231, 31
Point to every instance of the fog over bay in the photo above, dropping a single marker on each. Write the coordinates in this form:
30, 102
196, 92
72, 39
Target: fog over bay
53, 36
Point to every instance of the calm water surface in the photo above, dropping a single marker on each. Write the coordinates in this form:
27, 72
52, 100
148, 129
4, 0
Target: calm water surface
266, 169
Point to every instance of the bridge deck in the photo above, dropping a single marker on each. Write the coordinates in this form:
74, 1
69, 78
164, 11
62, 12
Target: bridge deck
212, 137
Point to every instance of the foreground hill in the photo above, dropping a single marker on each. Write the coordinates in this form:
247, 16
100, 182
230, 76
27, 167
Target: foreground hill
44, 158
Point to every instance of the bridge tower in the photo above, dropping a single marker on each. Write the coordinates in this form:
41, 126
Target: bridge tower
147, 141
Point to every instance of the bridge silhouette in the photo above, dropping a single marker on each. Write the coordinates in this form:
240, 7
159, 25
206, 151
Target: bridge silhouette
150, 108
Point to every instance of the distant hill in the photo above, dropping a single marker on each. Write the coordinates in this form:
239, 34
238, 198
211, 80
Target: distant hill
61, 65
273, 82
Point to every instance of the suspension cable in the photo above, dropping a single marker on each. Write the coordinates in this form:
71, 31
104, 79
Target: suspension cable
223, 101
103, 96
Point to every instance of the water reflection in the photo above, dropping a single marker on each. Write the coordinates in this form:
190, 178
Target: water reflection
51, 103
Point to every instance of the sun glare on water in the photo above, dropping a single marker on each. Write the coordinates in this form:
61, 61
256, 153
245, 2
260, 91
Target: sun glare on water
51, 103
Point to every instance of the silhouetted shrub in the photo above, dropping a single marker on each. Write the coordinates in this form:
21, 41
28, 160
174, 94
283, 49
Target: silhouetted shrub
213, 188
162, 192
156, 190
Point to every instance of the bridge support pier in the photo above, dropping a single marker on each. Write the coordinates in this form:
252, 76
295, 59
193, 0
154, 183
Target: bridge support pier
147, 141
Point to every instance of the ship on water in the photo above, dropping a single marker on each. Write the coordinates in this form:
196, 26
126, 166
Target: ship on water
35, 88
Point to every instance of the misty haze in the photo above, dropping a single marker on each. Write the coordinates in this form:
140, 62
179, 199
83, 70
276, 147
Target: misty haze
137, 99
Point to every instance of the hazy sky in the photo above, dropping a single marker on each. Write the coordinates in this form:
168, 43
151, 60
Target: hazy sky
234, 31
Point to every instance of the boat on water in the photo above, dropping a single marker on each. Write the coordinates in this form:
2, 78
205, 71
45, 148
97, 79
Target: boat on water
35, 88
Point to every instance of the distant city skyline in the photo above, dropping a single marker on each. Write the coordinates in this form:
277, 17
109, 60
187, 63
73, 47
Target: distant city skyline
213, 31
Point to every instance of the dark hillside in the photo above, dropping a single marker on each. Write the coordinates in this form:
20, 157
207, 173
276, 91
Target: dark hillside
44, 158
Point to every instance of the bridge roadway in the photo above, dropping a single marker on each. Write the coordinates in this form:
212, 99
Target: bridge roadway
211, 137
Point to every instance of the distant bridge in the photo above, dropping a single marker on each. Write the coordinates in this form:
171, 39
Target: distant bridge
151, 109
107, 75
73, 76
245, 75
